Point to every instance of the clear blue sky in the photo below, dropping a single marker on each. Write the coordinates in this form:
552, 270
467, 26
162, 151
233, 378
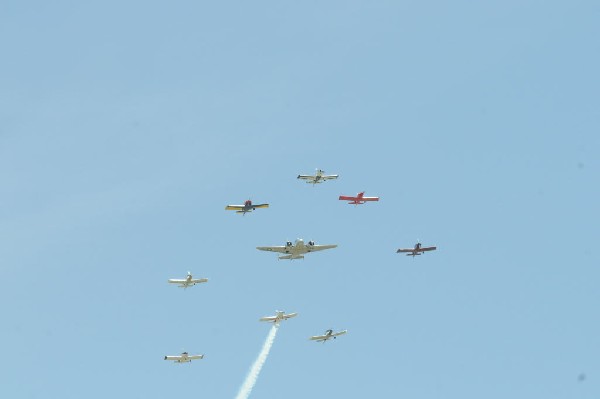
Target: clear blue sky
126, 127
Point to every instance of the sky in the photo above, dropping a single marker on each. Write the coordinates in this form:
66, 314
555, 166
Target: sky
127, 127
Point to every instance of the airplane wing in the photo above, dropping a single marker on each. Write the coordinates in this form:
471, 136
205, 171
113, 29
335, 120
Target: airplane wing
347, 198
173, 357
279, 248
287, 316
369, 199
329, 177
194, 357
405, 250
428, 248
199, 280
260, 206
234, 207
306, 177
326, 337
313, 248
339, 333
176, 281
268, 318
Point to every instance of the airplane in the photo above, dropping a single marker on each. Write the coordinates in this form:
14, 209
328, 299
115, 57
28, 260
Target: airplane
184, 358
279, 316
417, 250
297, 250
319, 177
327, 336
188, 281
246, 208
359, 199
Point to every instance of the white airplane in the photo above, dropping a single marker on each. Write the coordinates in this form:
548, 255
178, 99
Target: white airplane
417, 250
279, 316
327, 336
184, 358
296, 250
188, 281
318, 177
246, 208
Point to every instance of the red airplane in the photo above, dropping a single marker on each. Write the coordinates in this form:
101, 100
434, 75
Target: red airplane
359, 199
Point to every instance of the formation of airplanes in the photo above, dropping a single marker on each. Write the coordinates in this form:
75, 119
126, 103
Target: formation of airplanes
296, 250
291, 251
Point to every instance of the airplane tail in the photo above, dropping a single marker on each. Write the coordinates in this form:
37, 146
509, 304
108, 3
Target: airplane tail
291, 257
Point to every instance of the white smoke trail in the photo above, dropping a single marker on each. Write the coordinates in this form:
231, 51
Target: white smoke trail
258, 363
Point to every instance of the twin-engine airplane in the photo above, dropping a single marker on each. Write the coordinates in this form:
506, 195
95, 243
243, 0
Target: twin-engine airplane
417, 250
297, 250
279, 316
246, 208
318, 177
359, 199
184, 358
327, 336
188, 281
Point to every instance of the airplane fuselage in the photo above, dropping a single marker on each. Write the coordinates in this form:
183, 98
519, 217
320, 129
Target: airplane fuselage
316, 180
318, 176
358, 199
416, 251
296, 250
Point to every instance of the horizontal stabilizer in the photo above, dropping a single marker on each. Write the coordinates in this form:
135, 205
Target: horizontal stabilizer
292, 257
